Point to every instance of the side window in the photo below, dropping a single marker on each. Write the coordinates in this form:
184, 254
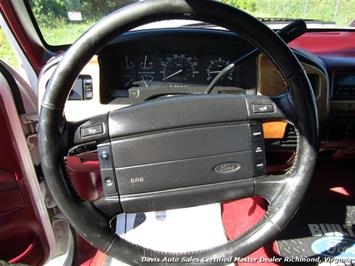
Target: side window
7, 53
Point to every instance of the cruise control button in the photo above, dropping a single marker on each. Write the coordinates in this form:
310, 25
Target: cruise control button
91, 130
259, 166
108, 182
104, 155
263, 108
258, 148
256, 133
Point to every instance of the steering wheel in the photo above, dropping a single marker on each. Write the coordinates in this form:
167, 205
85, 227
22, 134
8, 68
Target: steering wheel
179, 151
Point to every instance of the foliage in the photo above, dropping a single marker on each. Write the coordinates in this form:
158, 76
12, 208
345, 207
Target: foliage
342, 12
48, 12
52, 12
96, 9
250, 5
52, 18
7, 53
65, 34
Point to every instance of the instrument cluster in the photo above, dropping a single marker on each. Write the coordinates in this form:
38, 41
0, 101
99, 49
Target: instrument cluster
175, 68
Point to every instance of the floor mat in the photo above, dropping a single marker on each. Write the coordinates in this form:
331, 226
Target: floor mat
320, 233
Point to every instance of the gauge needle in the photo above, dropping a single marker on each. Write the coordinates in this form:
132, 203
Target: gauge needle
214, 72
127, 65
172, 75
145, 61
145, 83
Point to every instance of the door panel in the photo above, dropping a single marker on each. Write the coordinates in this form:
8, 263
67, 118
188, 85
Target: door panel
25, 236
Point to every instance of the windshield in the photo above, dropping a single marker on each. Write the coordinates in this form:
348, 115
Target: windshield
63, 21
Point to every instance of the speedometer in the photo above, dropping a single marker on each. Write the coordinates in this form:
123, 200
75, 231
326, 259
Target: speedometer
179, 68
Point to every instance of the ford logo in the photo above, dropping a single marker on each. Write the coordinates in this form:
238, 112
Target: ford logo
335, 246
227, 168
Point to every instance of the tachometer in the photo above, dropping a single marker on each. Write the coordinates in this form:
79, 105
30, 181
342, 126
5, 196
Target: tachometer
215, 66
179, 68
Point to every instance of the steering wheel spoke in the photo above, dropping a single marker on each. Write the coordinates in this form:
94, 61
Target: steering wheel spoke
92, 134
93, 130
269, 186
109, 206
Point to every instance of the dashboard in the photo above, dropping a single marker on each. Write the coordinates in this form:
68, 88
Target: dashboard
147, 64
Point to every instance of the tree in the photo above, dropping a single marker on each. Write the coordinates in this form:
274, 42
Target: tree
49, 12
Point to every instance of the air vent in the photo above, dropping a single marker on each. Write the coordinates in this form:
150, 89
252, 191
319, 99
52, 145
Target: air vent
82, 88
343, 86
289, 140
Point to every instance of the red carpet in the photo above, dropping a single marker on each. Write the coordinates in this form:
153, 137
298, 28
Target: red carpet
241, 215
333, 180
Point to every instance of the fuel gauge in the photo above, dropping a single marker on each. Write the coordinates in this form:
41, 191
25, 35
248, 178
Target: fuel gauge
128, 64
127, 71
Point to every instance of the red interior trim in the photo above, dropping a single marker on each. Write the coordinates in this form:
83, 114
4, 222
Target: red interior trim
22, 255
33, 51
338, 43
19, 225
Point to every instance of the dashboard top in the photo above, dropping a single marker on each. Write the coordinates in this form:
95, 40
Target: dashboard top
327, 43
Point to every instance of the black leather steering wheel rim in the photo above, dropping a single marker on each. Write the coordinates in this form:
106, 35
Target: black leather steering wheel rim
90, 223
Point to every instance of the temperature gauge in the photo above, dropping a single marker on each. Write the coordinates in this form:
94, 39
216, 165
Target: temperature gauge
146, 69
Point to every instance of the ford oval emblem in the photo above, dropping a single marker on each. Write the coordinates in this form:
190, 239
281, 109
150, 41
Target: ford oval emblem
335, 246
227, 168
